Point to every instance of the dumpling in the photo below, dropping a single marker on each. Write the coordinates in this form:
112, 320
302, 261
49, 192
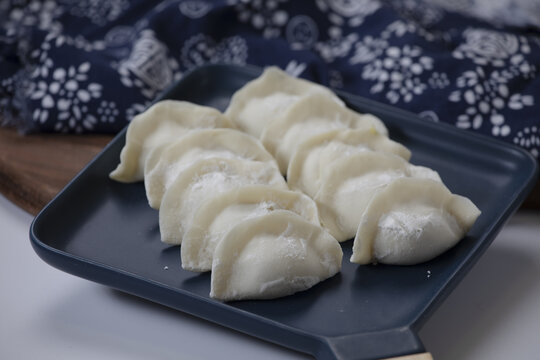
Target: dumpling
313, 156
349, 184
217, 215
412, 221
204, 179
271, 256
163, 122
162, 168
267, 97
310, 116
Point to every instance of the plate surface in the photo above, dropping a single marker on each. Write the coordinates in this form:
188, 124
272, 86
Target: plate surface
105, 231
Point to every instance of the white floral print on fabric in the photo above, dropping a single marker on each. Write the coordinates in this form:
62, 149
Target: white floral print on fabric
99, 12
368, 50
201, 49
148, 66
438, 80
417, 11
343, 15
398, 72
80, 42
529, 138
399, 28
490, 47
294, 68
519, 13
164, 5
195, 9
120, 35
7, 86
347, 12
40, 14
107, 111
370, 47
136, 109
335, 48
336, 79
7, 91
67, 92
263, 15
486, 97
119, 39
519, 66
429, 115
302, 32
53, 39
41, 57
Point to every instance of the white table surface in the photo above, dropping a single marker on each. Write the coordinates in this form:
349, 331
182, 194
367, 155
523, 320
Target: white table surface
494, 313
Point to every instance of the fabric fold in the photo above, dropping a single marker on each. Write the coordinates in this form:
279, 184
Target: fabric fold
91, 65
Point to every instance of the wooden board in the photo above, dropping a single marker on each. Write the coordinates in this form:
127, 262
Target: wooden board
34, 168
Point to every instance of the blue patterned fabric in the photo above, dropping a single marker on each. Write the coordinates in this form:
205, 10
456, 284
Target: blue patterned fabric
91, 65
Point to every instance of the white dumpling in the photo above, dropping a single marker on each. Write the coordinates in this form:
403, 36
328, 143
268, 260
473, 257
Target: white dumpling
412, 221
349, 184
161, 123
217, 215
271, 256
310, 116
311, 158
203, 179
267, 97
164, 166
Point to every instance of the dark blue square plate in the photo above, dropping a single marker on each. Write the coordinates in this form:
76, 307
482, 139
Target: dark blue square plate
105, 231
